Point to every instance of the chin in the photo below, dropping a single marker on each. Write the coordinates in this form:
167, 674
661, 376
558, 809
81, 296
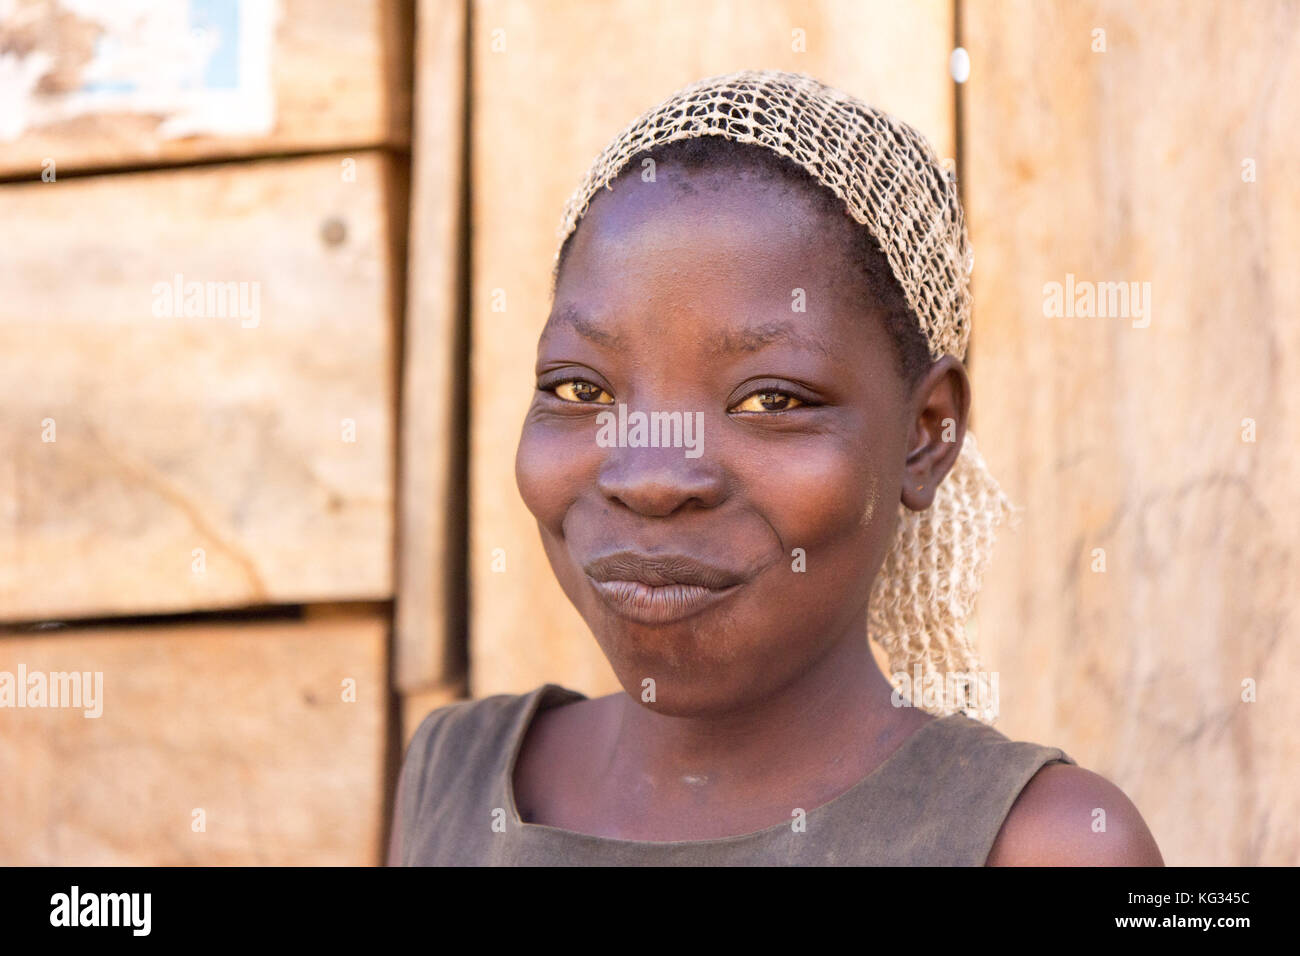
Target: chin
697, 669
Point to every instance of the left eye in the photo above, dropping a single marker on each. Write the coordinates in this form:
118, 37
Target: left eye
768, 402
586, 392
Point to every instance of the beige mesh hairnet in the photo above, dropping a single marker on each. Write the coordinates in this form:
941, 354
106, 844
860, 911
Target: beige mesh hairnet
890, 180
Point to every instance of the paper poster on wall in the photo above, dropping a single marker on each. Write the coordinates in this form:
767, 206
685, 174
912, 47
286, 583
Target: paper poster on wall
200, 66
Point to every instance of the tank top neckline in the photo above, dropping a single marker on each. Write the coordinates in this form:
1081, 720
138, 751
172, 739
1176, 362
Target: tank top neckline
531, 704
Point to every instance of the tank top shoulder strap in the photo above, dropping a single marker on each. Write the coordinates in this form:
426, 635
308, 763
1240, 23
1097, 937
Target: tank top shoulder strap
943, 798
453, 767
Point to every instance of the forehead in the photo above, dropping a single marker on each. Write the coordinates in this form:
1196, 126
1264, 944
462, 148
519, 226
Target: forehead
714, 241
678, 198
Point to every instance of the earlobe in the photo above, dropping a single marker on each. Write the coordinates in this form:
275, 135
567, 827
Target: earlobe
926, 470
916, 472
919, 482
919, 497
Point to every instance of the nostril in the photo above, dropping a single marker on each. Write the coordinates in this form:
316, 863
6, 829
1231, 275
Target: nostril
659, 485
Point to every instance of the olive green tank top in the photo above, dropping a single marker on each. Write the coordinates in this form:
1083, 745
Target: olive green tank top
939, 799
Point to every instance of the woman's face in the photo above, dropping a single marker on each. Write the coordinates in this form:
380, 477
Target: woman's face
726, 566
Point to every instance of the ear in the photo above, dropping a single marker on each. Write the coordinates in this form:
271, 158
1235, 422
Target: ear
939, 410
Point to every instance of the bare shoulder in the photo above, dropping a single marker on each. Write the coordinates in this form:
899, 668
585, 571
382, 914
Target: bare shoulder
1069, 816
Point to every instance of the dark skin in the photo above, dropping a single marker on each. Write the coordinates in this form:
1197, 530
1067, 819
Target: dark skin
676, 296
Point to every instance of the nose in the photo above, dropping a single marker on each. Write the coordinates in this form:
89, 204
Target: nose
657, 482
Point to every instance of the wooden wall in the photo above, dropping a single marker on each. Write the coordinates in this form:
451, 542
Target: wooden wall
217, 744
430, 616
1123, 437
345, 466
159, 461
199, 462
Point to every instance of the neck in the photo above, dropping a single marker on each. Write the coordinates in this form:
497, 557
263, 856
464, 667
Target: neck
833, 723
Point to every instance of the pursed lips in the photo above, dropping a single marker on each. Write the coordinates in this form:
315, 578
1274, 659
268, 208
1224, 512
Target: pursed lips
659, 588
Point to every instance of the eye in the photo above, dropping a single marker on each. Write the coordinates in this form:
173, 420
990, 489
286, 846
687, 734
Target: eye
767, 401
576, 390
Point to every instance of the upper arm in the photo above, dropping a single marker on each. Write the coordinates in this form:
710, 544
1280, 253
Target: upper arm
410, 787
1068, 816
397, 839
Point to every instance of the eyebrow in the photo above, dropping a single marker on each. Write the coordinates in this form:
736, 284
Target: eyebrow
756, 337
589, 330
729, 341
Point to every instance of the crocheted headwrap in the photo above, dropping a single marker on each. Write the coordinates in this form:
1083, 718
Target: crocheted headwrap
889, 179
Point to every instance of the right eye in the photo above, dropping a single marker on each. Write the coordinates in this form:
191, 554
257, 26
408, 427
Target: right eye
768, 400
577, 390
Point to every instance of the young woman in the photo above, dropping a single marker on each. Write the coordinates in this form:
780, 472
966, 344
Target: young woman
786, 271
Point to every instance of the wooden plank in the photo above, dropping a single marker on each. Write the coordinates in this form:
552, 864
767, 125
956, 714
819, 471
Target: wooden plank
1125, 434
430, 563
98, 86
247, 723
234, 458
552, 87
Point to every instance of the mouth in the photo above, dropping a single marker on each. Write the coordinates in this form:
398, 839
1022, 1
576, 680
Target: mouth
660, 588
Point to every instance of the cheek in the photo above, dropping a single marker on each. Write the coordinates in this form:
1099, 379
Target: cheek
828, 494
553, 462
